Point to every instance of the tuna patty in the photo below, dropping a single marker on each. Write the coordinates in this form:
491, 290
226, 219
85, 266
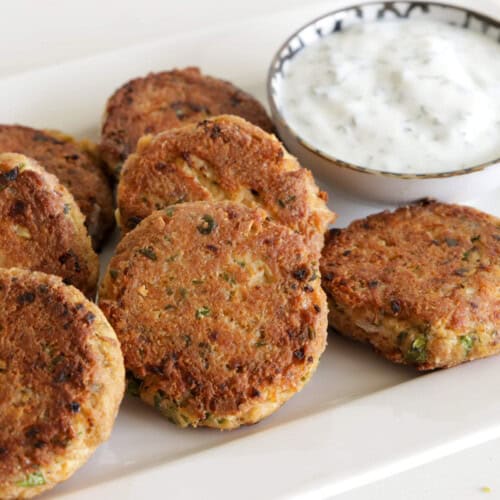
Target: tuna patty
61, 381
219, 312
41, 226
421, 284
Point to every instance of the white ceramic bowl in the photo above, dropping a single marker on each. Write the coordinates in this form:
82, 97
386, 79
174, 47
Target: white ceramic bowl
458, 185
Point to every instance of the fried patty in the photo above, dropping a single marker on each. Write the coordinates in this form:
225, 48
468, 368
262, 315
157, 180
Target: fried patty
61, 381
75, 167
223, 158
41, 226
220, 313
167, 100
421, 284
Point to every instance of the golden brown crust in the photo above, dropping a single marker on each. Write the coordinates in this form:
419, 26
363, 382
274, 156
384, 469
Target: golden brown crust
422, 284
220, 312
223, 158
41, 227
61, 381
167, 100
75, 168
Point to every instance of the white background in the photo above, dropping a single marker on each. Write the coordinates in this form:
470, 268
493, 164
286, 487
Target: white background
37, 33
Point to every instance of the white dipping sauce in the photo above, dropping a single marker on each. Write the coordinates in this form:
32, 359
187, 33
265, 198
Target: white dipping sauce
408, 96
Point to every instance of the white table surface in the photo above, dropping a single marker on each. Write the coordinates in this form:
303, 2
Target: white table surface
35, 34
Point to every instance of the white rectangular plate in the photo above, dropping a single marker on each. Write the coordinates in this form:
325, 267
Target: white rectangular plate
360, 419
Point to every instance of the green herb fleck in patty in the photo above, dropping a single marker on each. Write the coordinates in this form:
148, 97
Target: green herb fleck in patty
285, 202
227, 277
467, 342
158, 399
202, 312
417, 353
32, 480
148, 252
208, 224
